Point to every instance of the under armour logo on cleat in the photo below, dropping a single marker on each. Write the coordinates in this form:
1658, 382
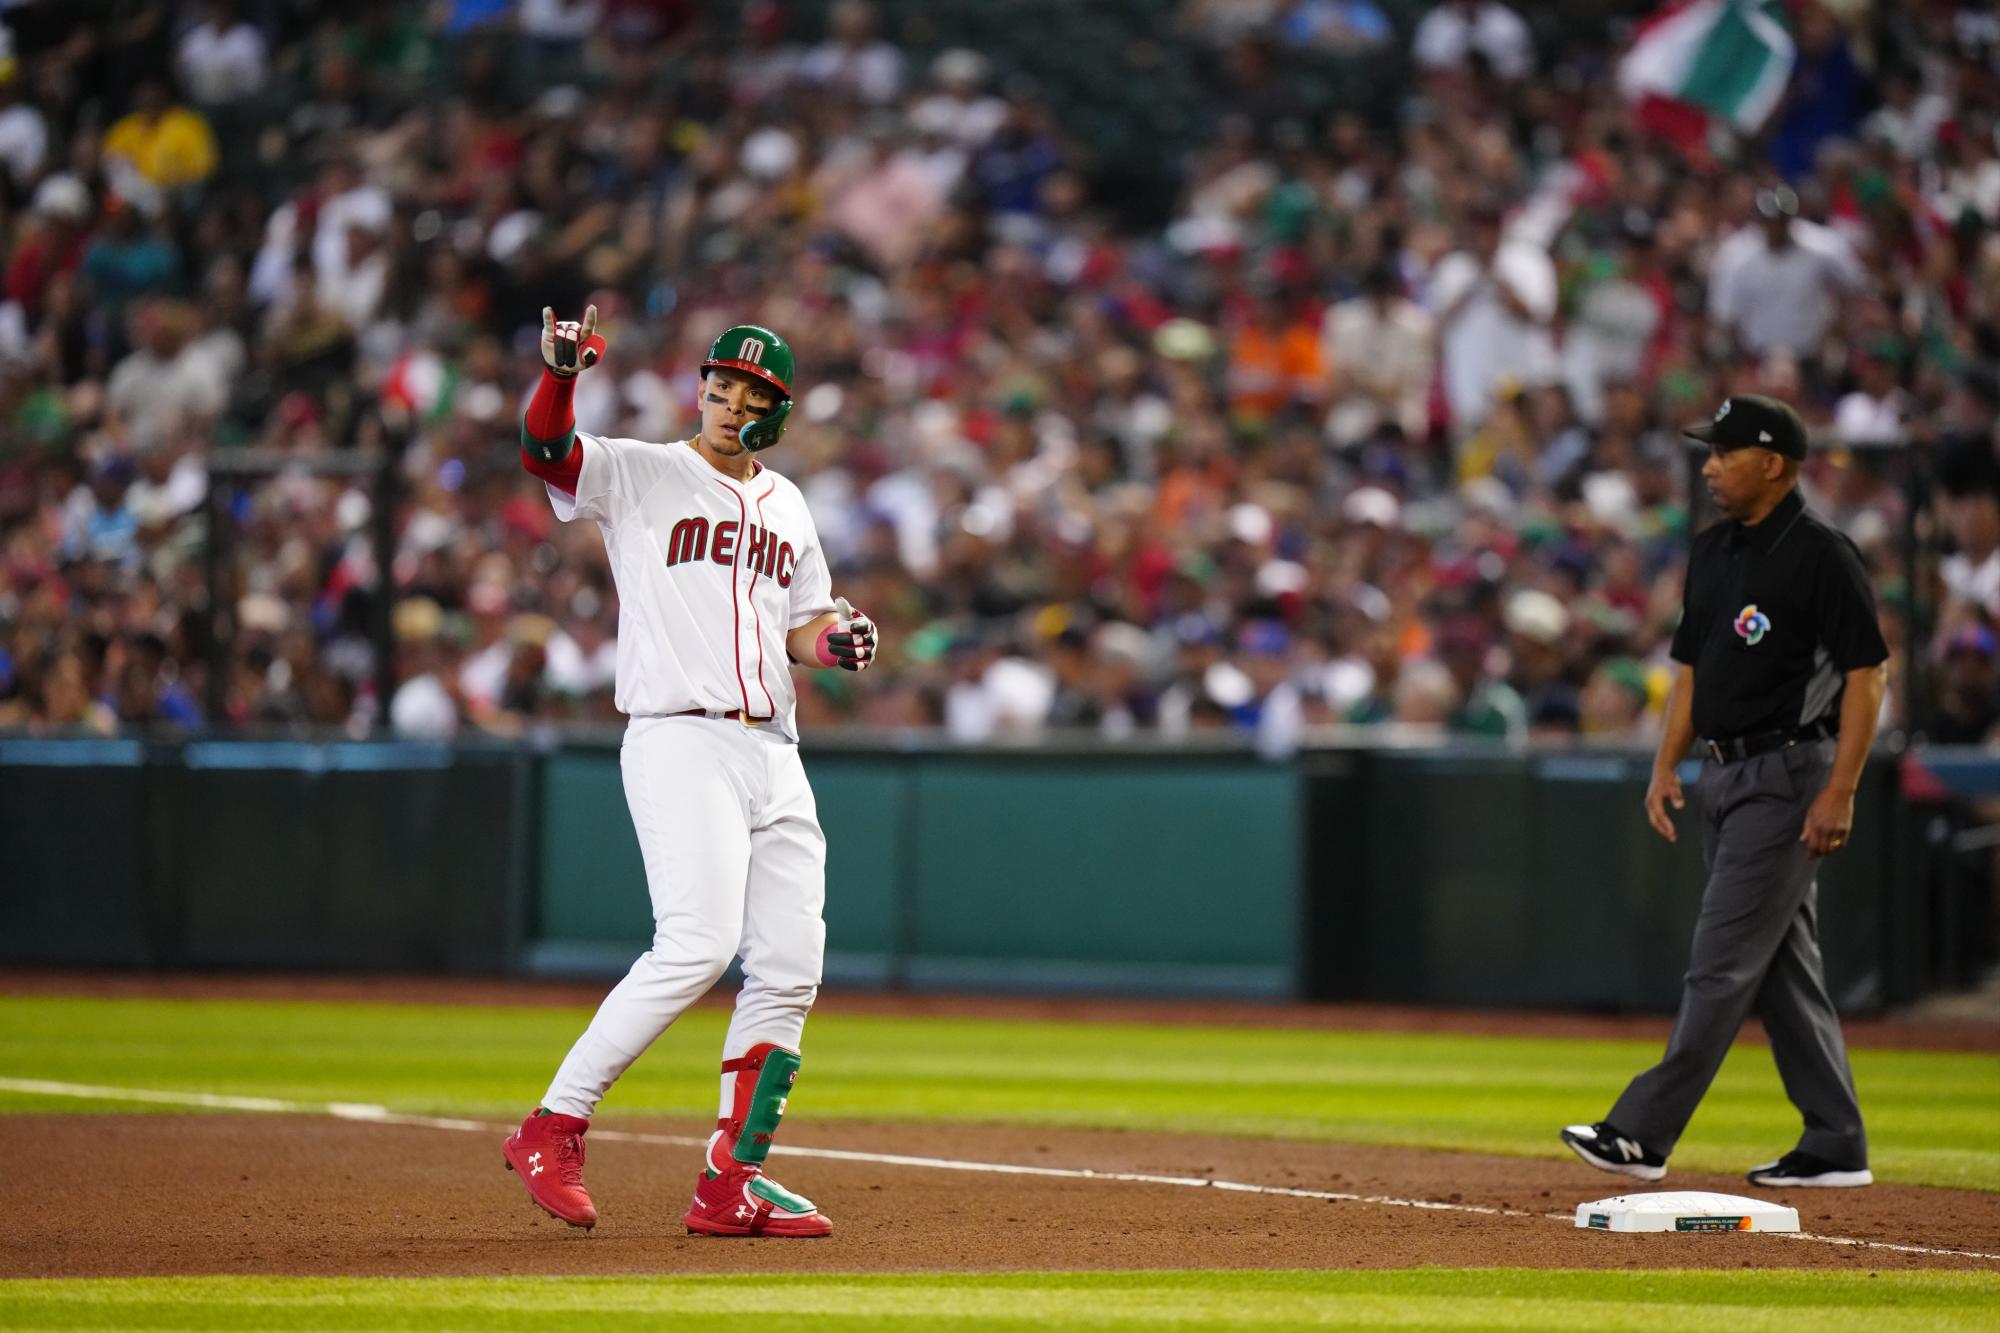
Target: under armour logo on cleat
534, 1162
743, 1210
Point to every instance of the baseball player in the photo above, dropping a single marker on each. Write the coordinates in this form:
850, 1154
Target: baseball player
721, 582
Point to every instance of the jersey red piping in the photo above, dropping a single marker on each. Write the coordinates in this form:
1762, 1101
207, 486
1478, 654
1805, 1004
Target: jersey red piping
755, 618
736, 603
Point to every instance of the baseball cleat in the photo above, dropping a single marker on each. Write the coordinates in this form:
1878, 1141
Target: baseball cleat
547, 1153
1606, 1149
1803, 1170
743, 1201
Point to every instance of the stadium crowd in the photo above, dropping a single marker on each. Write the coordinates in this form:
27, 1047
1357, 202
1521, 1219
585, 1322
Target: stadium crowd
1380, 427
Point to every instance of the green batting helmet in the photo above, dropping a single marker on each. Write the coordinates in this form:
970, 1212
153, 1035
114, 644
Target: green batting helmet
756, 350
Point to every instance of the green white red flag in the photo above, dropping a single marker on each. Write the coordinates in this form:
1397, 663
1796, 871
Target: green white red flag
1728, 59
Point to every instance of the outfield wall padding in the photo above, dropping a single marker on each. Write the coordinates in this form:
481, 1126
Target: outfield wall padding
1505, 878
1459, 876
1017, 869
232, 855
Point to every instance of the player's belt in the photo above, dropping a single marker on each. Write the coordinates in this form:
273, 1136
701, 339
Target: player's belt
733, 715
1730, 749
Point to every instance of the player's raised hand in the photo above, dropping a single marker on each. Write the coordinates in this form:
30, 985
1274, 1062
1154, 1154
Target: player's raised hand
570, 345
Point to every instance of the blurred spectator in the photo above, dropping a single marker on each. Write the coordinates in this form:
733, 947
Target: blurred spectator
1968, 688
1274, 360
1825, 98
1873, 412
1426, 696
24, 131
1493, 300
1777, 283
1486, 704
222, 57
887, 198
1909, 117
1538, 642
958, 109
1379, 349
853, 59
1972, 519
1454, 31
1615, 700
159, 146
425, 706
1622, 309
130, 258
158, 385
97, 523
52, 243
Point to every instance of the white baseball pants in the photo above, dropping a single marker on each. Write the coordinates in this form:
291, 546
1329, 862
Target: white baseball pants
736, 867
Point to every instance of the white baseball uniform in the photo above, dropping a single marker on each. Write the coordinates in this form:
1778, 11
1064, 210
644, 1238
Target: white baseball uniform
711, 576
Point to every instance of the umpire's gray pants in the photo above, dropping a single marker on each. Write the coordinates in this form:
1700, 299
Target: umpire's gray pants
1756, 942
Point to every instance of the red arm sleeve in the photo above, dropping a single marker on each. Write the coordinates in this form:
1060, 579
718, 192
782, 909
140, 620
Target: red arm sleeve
563, 475
549, 447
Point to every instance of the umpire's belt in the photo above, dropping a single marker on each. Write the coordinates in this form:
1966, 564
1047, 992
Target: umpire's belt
1732, 748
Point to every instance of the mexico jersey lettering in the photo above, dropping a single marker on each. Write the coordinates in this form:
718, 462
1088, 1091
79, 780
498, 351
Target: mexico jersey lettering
711, 576
763, 550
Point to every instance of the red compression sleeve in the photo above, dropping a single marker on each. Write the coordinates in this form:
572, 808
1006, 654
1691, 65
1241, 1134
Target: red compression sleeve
548, 433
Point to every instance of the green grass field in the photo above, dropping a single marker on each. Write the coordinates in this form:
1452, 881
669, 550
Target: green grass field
1419, 1299
1932, 1116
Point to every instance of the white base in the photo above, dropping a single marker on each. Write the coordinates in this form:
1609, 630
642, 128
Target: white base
1685, 1210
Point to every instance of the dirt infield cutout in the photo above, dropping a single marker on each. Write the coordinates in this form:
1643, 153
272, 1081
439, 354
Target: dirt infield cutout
358, 1190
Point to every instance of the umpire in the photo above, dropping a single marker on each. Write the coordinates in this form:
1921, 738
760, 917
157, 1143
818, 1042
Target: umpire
1781, 674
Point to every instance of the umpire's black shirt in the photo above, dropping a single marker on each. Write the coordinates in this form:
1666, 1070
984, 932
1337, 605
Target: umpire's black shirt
1772, 619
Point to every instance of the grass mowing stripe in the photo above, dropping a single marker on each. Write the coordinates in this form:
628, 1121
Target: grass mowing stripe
1190, 1301
1930, 1113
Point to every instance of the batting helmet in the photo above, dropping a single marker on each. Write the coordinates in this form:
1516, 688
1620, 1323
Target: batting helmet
756, 350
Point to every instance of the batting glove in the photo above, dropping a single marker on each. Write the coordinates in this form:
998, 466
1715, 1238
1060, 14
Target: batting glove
849, 642
569, 345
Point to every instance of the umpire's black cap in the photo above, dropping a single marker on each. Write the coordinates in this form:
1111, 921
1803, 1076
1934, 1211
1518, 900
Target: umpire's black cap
1750, 420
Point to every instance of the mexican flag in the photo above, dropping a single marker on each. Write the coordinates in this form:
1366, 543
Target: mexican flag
1696, 59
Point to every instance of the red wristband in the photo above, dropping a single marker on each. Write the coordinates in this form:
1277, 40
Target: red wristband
821, 651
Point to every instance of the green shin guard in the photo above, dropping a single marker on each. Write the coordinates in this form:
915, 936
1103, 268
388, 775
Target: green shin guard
756, 1113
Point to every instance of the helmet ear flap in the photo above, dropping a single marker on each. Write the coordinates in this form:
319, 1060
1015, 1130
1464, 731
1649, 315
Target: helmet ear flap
764, 431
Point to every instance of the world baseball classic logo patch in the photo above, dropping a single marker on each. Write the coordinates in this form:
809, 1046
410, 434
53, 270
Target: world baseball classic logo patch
1752, 624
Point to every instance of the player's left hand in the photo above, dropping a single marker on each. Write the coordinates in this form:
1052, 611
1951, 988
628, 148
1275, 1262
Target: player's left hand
1828, 821
849, 642
570, 345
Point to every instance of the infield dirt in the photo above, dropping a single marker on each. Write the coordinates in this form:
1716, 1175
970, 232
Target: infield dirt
119, 1195
130, 1195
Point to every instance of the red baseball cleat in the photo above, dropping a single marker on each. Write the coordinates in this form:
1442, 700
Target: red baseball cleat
733, 1196
743, 1201
547, 1153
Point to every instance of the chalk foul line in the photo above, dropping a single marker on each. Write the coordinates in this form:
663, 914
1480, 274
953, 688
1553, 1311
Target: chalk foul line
370, 1113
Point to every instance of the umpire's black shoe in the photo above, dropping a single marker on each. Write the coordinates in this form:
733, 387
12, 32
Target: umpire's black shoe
1606, 1149
1801, 1169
